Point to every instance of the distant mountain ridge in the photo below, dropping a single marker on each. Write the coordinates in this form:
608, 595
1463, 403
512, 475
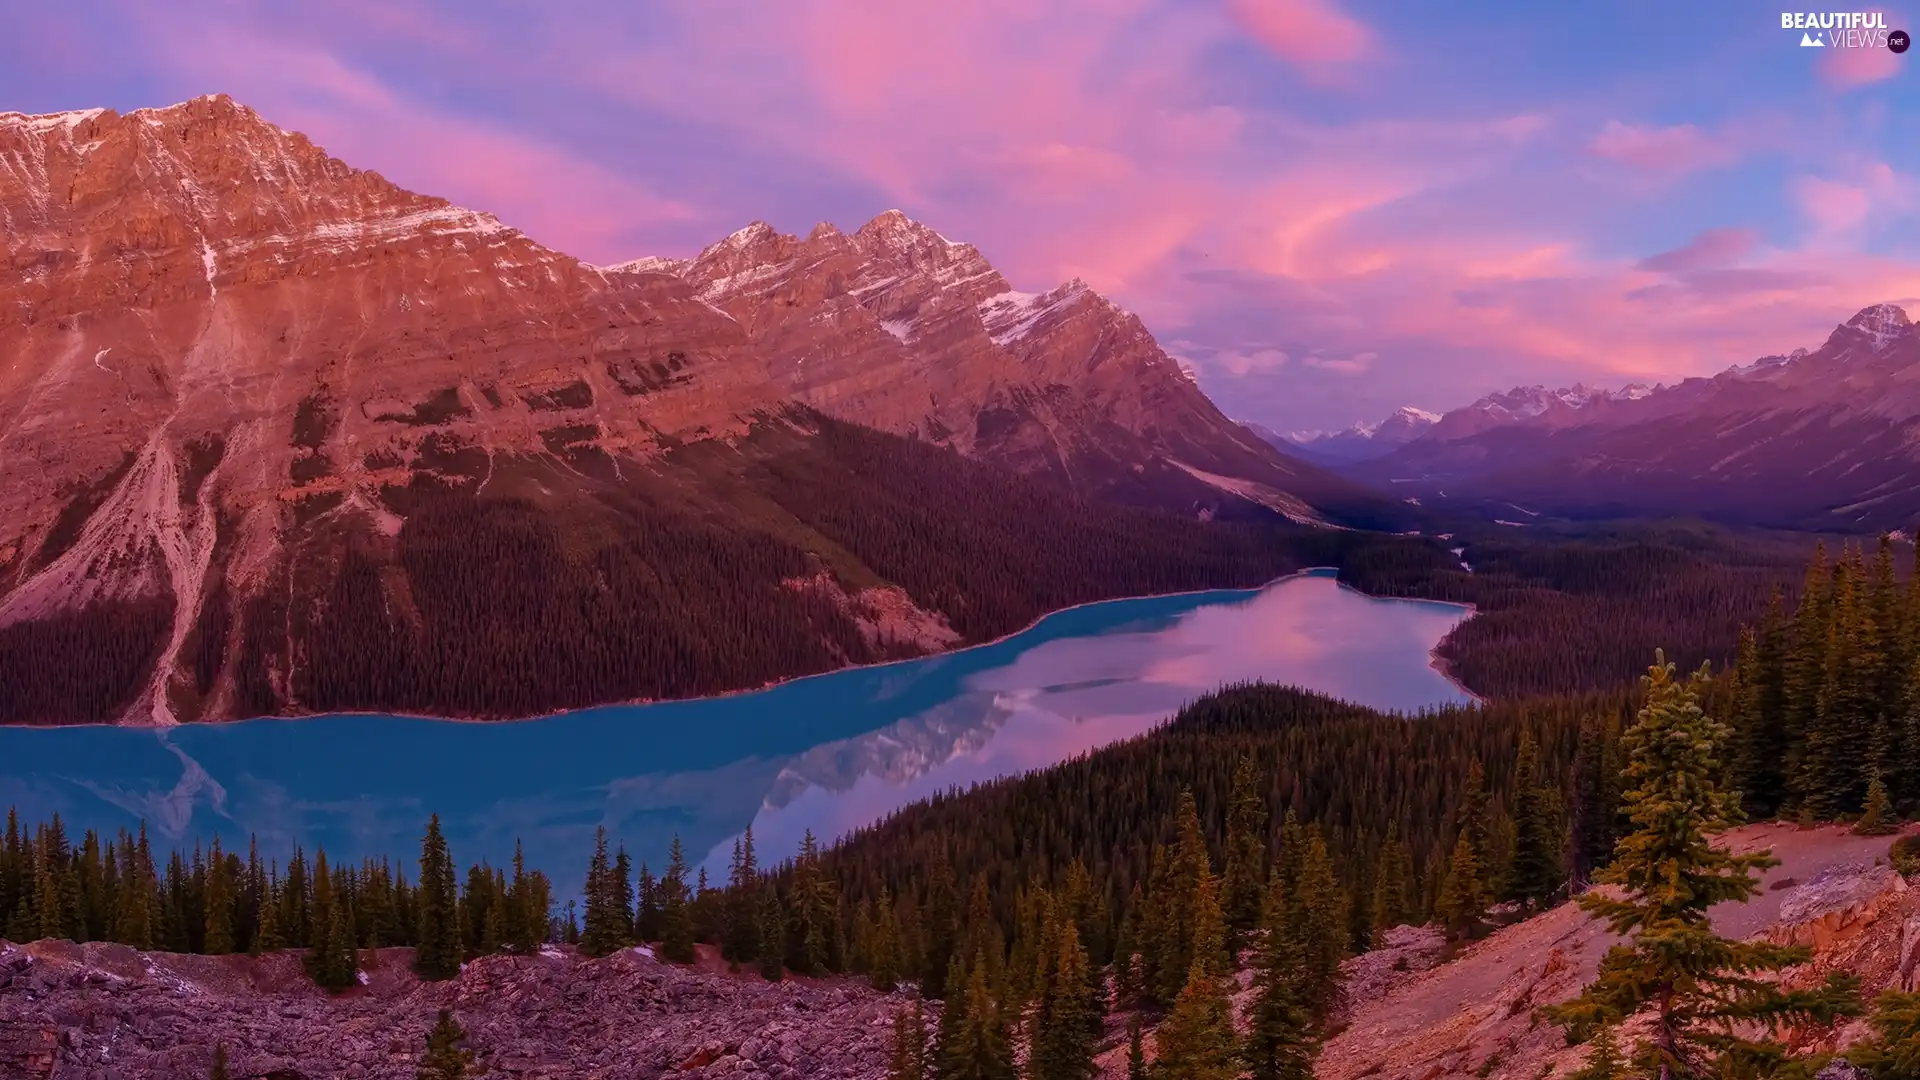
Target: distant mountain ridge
1355, 443
1821, 439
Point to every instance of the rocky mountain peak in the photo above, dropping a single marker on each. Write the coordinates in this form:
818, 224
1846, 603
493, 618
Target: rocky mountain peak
1878, 324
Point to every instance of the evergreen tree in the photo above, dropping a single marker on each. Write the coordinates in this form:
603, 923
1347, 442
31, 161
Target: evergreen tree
604, 930
1136, 1051
646, 917
1197, 1041
1837, 757
1462, 903
1893, 1053
1474, 819
218, 934
1282, 1038
1603, 1059
676, 918
1535, 873
742, 936
1318, 919
218, 1070
1699, 985
1805, 674
1761, 730
1392, 903
1067, 1016
331, 960
1173, 927
939, 927
909, 1060
1245, 872
445, 1058
1597, 794
269, 938
437, 955
773, 928
976, 1046
1874, 816
883, 955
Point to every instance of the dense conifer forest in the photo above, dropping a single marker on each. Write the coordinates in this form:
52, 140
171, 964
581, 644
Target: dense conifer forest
563, 586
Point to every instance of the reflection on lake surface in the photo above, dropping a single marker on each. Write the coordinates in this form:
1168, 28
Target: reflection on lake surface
829, 753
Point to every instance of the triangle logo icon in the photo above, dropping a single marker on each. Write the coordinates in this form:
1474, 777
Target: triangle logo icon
1808, 41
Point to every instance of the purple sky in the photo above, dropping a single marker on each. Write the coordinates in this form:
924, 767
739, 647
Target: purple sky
1328, 209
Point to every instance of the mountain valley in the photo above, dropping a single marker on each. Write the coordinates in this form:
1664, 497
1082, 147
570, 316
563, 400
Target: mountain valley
252, 394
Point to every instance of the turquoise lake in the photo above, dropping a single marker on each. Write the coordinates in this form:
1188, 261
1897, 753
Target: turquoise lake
828, 753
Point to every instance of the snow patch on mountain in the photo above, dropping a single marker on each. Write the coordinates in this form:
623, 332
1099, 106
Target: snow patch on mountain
1011, 316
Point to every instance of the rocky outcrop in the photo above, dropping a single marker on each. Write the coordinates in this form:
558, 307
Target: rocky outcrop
69, 1012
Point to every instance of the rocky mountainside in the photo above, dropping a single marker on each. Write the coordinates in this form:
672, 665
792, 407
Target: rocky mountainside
1827, 439
899, 328
1356, 443
277, 435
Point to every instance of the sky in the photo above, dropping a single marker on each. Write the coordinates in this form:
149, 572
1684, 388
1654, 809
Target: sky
1326, 208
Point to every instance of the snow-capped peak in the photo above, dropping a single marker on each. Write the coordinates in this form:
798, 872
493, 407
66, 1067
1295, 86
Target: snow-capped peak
1417, 416
1882, 323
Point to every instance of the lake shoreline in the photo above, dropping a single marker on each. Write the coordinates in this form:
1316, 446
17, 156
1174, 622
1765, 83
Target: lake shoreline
1437, 662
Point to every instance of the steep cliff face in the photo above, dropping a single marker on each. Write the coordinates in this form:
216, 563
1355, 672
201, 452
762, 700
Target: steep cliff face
214, 332
896, 327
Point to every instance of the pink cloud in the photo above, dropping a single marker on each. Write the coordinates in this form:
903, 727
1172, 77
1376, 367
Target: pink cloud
1833, 207
1710, 248
1310, 32
1862, 63
1679, 148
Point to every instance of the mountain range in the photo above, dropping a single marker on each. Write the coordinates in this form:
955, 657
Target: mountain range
1827, 439
278, 435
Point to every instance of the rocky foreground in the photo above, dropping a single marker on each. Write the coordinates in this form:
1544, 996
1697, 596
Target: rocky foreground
107, 1012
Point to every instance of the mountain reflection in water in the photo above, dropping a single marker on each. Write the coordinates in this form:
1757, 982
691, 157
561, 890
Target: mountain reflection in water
827, 754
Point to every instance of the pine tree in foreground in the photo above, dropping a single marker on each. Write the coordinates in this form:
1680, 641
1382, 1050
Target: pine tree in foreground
219, 1069
1282, 1039
1707, 993
438, 953
909, 1060
1196, 1041
976, 1044
1067, 1017
1874, 816
445, 1058
1894, 1051
1462, 903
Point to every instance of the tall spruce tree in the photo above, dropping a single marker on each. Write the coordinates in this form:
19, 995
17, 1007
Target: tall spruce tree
1805, 675
676, 917
1282, 1038
977, 1045
437, 955
1066, 1015
939, 927
1318, 918
604, 928
1536, 871
1705, 992
1245, 871
218, 935
742, 935
1462, 903
1392, 902
1197, 1040
773, 930
909, 1060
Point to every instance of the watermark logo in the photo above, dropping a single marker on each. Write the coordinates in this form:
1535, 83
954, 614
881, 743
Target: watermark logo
1845, 30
